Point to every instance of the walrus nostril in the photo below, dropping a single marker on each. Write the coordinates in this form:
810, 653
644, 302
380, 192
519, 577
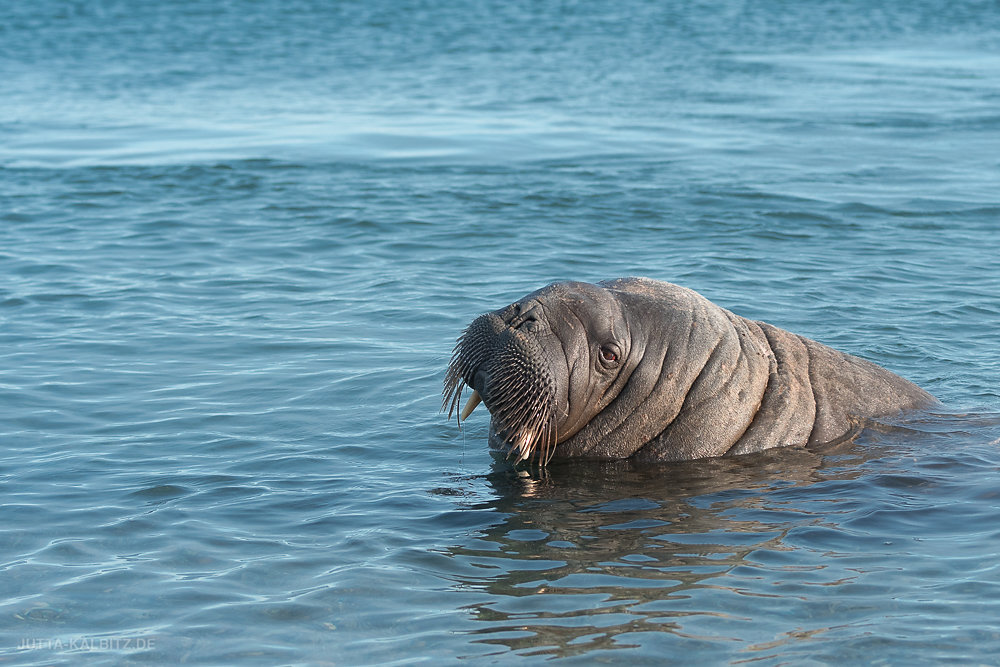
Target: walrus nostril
525, 314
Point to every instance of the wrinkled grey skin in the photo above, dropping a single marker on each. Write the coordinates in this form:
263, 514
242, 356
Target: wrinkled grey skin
641, 369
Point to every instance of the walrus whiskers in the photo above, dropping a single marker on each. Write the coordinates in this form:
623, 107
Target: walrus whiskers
521, 392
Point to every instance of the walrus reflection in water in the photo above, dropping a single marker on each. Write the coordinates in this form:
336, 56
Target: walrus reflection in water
645, 370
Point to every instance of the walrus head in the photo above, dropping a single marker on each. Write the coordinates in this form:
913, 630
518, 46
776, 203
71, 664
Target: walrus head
542, 366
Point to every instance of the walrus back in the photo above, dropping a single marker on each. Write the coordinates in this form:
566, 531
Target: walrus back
846, 387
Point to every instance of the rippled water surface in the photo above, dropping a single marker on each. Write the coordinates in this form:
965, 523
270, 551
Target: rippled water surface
238, 241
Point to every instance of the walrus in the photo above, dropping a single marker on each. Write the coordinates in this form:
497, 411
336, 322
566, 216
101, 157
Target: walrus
645, 370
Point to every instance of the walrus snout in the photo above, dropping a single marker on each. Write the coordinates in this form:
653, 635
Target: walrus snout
499, 358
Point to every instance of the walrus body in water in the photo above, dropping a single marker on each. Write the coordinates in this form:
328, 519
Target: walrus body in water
649, 371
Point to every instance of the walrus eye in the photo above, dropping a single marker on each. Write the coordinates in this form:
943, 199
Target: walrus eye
609, 354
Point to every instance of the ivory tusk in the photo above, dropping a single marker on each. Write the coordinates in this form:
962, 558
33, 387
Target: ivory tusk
470, 405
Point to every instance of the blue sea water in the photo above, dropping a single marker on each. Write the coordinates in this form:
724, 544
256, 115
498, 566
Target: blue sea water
239, 239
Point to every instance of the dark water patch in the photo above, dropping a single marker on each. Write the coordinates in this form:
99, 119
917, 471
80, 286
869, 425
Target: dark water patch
161, 493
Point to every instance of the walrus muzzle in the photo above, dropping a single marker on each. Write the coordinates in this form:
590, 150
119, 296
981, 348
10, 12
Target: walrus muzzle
506, 368
649, 371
